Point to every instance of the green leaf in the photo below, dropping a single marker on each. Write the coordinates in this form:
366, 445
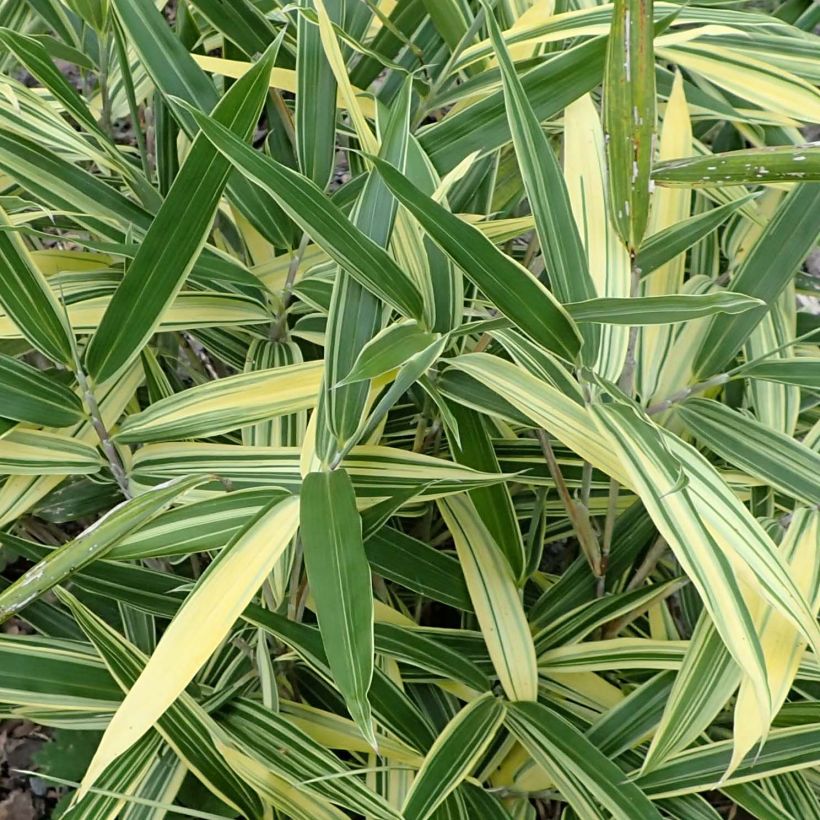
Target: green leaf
175, 74
584, 775
802, 372
263, 732
225, 404
241, 21
315, 112
510, 286
176, 236
454, 755
339, 578
777, 459
28, 300
629, 116
355, 314
388, 350
91, 544
185, 725
702, 768
474, 448
495, 599
319, 217
661, 483
764, 273
39, 452
34, 56
564, 255
698, 694
665, 245
31, 395
205, 618
483, 127
657, 310
753, 166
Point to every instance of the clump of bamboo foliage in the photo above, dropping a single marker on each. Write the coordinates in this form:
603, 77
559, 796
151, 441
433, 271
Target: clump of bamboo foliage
409, 408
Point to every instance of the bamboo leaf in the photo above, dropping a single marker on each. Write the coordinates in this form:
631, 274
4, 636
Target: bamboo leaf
316, 215
216, 407
655, 310
30, 395
455, 753
339, 577
662, 485
516, 292
201, 624
495, 599
28, 300
802, 372
389, 349
90, 545
629, 116
780, 461
764, 273
558, 237
668, 243
585, 776
750, 167
176, 235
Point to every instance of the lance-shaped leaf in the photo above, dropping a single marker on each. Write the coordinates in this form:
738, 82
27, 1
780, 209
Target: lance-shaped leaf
584, 776
286, 793
29, 301
753, 166
698, 694
389, 350
547, 195
782, 643
319, 217
510, 286
656, 310
35, 57
262, 733
629, 116
185, 725
474, 448
315, 113
454, 755
702, 768
174, 72
661, 483
666, 244
91, 544
216, 602
177, 234
226, 404
764, 273
550, 87
339, 578
242, 22
802, 371
39, 452
495, 599
608, 261
356, 315
33, 396
779, 460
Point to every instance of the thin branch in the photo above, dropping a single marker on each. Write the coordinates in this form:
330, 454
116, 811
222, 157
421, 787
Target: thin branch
577, 513
107, 445
654, 554
609, 527
627, 380
686, 392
